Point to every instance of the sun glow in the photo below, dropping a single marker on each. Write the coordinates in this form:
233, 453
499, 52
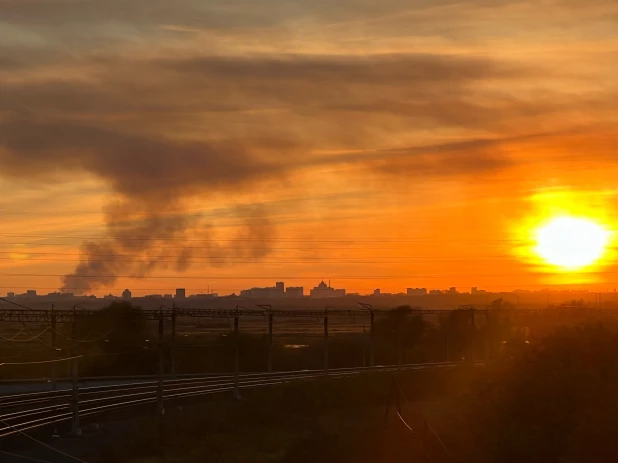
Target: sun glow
571, 243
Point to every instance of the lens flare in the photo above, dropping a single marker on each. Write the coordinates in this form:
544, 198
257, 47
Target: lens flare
571, 243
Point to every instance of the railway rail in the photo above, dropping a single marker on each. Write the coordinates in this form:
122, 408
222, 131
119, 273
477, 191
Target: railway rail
20, 412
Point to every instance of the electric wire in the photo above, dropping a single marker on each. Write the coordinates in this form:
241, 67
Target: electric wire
208, 240
23, 457
43, 443
84, 341
26, 340
40, 362
446, 450
16, 335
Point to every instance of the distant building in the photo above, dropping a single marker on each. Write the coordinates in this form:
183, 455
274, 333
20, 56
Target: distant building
31, 293
181, 293
416, 291
269, 292
168, 296
203, 296
435, 292
294, 291
126, 295
10, 295
453, 290
110, 297
376, 292
323, 290
58, 295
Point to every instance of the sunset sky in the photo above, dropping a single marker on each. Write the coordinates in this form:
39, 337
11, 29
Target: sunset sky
221, 144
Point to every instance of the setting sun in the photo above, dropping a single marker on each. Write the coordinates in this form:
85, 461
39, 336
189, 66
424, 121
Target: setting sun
571, 243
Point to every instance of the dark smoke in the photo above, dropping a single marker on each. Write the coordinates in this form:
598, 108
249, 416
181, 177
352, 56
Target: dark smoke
149, 228
142, 241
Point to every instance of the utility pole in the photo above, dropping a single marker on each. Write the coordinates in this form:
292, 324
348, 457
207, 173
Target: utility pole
161, 376
488, 337
173, 344
371, 333
54, 366
270, 342
399, 350
236, 360
326, 342
73, 336
268, 308
473, 322
447, 328
75, 428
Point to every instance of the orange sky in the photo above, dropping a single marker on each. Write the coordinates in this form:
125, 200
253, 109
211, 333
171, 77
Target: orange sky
223, 144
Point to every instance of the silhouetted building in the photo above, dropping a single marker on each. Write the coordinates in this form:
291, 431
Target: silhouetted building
269, 292
203, 296
294, 291
376, 292
416, 291
181, 293
453, 291
324, 291
126, 295
10, 295
31, 293
59, 296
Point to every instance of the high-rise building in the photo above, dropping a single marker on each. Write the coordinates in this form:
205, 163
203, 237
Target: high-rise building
126, 295
181, 293
269, 292
294, 291
376, 292
416, 291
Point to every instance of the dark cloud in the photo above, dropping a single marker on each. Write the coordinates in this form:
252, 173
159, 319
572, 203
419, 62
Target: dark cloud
373, 69
212, 14
136, 166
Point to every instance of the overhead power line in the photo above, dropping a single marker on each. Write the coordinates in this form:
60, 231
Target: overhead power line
40, 362
23, 457
42, 443
26, 340
286, 240
275, 277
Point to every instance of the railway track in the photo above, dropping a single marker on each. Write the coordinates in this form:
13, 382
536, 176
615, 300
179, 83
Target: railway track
22, 412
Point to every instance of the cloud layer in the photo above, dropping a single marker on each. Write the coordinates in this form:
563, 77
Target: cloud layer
170, 104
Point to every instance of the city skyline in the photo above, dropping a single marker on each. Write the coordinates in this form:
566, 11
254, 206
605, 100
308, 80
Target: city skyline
281, 291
